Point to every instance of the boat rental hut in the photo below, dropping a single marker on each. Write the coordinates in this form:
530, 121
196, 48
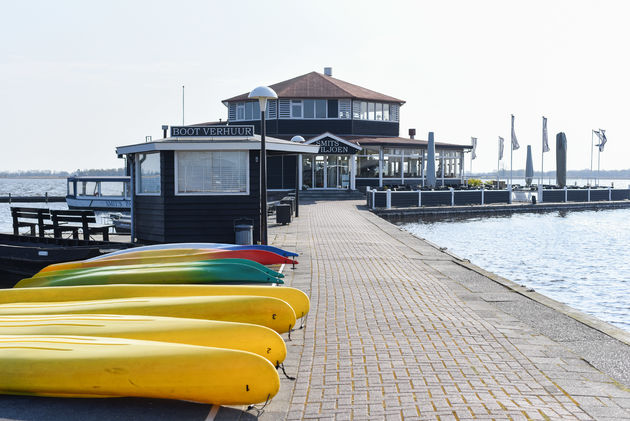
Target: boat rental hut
200, 182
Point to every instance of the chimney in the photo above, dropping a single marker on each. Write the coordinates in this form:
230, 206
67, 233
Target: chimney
328, 71
412, 133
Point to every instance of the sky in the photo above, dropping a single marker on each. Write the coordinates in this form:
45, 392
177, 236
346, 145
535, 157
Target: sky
79, 78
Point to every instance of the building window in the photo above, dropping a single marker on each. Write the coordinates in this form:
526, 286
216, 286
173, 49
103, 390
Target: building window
392, 160
240, 111
367, 162
345, 108
412, 163
375, 111
378, 113
148, 174
296, 108
212, 172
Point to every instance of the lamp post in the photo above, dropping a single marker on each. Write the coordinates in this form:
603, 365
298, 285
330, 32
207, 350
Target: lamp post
297, 139
262, 94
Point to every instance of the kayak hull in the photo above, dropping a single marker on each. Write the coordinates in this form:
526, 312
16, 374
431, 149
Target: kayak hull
78, 366
265, 311
256, 339
297, 299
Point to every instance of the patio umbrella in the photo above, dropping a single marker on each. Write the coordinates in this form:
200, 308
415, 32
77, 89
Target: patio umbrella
529, 167
561, 159
431, 161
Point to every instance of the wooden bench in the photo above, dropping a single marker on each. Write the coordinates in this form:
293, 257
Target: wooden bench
32, 218
75, 220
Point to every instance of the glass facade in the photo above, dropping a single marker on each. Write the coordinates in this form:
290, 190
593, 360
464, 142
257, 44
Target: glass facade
367, 162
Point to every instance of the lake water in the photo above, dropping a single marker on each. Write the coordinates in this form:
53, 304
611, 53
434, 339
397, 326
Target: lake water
33, 187
580, 258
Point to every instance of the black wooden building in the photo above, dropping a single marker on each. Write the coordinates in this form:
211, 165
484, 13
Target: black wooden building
196, 185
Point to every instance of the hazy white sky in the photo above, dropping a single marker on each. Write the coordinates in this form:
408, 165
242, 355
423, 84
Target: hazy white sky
78, 78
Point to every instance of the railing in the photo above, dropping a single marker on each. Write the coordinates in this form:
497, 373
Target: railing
582, 195
417, 198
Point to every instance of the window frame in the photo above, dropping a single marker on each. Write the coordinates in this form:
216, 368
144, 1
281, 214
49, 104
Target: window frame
138, 175
214, 193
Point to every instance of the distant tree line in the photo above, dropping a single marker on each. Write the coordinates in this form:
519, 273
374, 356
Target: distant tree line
61, 174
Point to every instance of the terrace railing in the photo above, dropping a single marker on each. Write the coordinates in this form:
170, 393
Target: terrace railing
388, 199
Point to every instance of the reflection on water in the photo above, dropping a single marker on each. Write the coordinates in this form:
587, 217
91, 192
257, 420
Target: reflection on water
581, 258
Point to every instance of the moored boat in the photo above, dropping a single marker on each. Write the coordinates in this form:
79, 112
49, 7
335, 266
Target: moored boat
99, 193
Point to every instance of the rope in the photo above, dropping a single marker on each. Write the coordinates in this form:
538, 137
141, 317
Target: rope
260, 410
285, 372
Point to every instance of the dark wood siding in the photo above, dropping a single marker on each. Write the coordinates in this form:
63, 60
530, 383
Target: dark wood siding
170, 218
374, 128
315, 127
281, 172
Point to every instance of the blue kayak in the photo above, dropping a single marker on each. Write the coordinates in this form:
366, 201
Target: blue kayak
168, 246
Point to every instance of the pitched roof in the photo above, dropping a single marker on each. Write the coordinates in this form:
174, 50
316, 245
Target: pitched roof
318, 85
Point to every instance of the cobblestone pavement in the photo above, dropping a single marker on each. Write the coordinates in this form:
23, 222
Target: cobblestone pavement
398, 329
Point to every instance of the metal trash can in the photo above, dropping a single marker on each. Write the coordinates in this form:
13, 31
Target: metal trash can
283, 214
244, 234
288, 201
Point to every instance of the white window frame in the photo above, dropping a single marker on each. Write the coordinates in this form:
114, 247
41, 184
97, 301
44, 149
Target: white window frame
139, 175
240, 111
245, 193
295, 102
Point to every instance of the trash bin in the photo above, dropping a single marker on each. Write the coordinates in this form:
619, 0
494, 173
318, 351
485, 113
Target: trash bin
244, 234
288, 201
283, 214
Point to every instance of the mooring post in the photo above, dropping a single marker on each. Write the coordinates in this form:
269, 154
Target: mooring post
388, 199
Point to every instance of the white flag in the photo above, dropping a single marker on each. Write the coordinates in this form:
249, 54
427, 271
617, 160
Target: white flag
501, 140
545, 138
515, 144
601, 134
474, 145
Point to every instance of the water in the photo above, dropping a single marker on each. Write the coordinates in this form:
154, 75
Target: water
603, 182
36, 187
580, 258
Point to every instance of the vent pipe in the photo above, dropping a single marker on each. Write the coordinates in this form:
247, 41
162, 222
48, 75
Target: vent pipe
412, 133
328, 71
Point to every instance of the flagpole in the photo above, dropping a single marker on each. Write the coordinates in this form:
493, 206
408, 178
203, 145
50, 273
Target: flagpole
542, 155
599, 152
498, 163
591, 174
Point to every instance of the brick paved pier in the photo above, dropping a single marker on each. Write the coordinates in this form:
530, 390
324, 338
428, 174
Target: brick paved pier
399, 329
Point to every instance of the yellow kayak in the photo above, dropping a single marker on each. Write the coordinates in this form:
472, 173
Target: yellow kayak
83, 366
240, 336
265, 311
294, 297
